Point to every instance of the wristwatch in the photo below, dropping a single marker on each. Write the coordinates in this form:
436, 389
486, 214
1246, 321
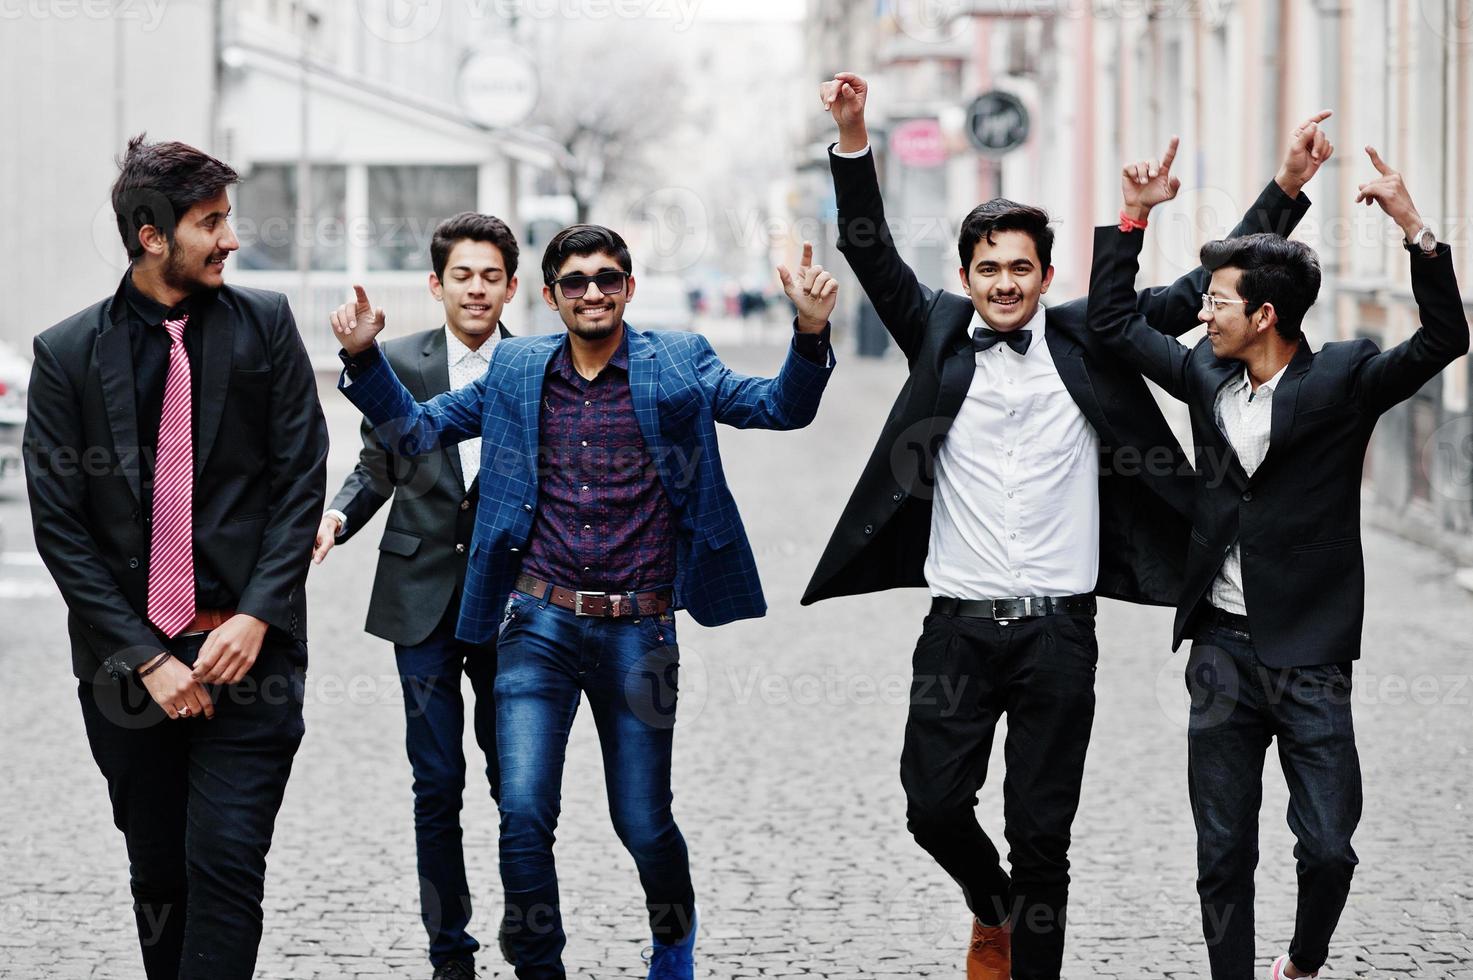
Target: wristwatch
1424, 239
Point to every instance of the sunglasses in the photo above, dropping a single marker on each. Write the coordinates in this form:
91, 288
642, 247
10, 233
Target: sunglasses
576, 285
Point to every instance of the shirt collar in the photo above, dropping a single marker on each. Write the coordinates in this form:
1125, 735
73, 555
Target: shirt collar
455, 351
1267, 386
562, 362
1035, 324
152, 312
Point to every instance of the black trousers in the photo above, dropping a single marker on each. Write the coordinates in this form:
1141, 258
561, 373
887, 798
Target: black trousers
968, 673
196, 801
1239, 707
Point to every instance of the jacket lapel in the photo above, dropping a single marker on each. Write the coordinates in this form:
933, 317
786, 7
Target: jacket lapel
644, 379
1222, 373
958, 365
533, 375
1286, 397
217, 352
434, 373
1069, 361
115, 367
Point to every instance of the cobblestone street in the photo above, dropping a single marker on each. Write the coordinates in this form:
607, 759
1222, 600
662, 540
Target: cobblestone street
786, 776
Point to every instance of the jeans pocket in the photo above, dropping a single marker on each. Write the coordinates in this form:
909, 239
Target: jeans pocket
517, 606
659, 629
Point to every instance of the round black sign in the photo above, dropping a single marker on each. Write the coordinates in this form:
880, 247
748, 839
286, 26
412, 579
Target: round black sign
997, 122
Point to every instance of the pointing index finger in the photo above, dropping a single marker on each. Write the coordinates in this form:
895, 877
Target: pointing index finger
1170, 153
807, 253
363, 305
1377, 161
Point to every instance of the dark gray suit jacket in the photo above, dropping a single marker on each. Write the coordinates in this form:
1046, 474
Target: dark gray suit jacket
423, 551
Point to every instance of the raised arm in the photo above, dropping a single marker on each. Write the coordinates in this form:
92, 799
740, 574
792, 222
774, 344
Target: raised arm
401, 425
864, 237
1113, 312
790, 400
1396, 374
1172, 309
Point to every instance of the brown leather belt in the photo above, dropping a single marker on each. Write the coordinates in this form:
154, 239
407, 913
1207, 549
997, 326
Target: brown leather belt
206, 620
606, 604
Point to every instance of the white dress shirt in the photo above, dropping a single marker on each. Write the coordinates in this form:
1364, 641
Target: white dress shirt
1246, 419
1017, 506
465, 366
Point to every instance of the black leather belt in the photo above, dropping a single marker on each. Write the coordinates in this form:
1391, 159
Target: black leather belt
606, 604
1015, 607
1227, 620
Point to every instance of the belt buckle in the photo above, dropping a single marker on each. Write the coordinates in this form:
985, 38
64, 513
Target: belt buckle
1001, 610
578, 602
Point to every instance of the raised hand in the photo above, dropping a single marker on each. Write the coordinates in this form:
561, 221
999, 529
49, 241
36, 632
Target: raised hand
1147, 183
813, 291
1308, 150
1389, 191
357, 323
844, 98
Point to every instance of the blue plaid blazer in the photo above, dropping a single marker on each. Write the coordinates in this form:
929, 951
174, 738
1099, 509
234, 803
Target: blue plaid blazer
680, 391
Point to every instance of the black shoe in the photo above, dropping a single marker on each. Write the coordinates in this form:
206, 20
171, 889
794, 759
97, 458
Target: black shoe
455, 970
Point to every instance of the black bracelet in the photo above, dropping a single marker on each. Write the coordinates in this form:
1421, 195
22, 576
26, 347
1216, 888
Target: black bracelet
152, 665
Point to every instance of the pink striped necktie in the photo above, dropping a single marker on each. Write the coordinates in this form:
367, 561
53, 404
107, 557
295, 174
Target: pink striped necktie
171, 548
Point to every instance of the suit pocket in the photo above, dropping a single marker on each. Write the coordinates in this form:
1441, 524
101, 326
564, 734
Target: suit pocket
1327, 545
399, 543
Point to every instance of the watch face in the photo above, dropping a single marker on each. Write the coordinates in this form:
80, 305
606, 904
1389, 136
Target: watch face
1426, 240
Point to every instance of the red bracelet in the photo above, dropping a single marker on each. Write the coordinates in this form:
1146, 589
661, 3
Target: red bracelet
1127, 223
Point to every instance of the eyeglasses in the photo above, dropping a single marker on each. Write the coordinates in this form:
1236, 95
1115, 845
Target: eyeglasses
608, 283
1212, 303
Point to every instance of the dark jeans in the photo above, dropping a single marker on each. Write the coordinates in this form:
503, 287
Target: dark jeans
196, 801
547, 658
1239, 706
968, 673
434, 715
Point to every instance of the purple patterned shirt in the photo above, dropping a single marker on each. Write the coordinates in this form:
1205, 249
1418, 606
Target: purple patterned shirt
603, 521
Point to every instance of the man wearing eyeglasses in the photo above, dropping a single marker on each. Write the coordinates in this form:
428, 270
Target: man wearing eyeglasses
603, 509
1275, 586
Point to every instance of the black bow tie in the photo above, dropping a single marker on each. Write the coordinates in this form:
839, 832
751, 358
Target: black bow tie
986, 339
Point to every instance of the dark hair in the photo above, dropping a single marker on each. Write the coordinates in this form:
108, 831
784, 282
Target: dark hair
583, 240
469, 225
1275, 270
157, 185
1000, 214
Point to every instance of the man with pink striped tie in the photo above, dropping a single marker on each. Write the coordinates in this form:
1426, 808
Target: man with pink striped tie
175, 456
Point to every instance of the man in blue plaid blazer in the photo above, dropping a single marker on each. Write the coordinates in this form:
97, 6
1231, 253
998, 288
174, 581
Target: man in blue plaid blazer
603, 508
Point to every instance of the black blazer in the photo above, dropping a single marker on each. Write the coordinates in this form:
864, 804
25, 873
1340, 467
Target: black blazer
884, 532
1298, 517
259, 471
423, 551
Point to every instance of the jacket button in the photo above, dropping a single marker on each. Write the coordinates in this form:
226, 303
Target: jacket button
896, 495
132, 562
526, 506
465, 505
1247, 494
460, 549
869, 529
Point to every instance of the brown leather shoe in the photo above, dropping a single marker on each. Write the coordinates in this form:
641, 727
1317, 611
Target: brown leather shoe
990, 956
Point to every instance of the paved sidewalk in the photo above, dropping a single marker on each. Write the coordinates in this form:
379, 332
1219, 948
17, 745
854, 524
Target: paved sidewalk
785, 776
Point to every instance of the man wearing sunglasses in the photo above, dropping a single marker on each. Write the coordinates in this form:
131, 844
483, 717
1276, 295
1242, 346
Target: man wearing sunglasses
1274, 593
603, 509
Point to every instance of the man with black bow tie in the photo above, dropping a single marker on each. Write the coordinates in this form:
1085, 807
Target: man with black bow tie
1020, 474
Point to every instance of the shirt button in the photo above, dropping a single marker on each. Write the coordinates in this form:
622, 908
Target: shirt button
460, 549
587, 403
1014, 535
585, 568
585, 442
1010, 452
585, 488
588, 527
1010, 495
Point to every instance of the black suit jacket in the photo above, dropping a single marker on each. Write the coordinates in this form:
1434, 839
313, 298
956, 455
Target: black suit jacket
1298, 516
884, 532
423, 551
259, 472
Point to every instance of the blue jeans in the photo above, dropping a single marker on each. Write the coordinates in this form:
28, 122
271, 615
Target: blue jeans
434, 715
1240, 705
548, 658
